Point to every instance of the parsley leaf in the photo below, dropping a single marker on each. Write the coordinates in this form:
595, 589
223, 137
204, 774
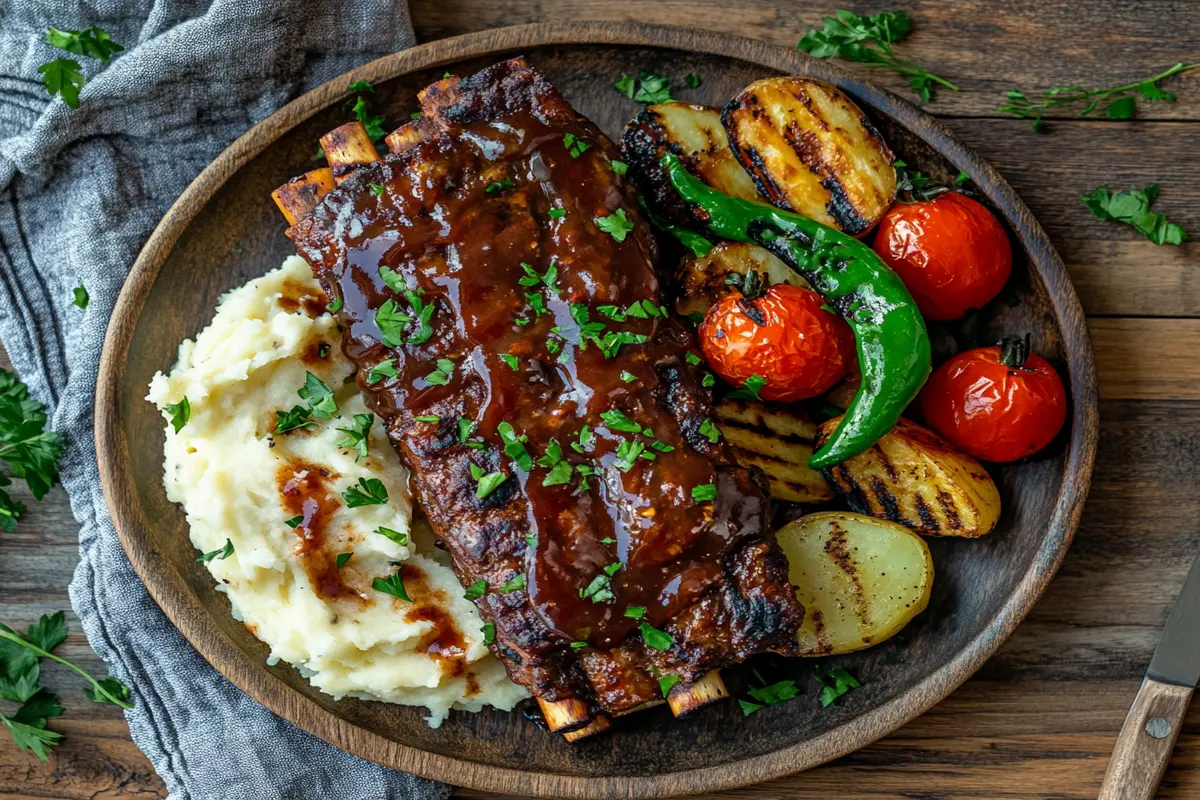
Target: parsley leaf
599, 590
441, 376
358, 436
653, 637
499, 186
368, 492
750, 388
342, 558
666, 683
393, 585
652, 88
835, 684
179, 413
362, 86
489, 633
635, 612
516, 582
705, 492
384, 369
849, 36
476, 590
708, 381
1133, 208
220, 554
575, 146
709, 430
616, 420
63, 77
81, 297
91, 42
1121, 100
556, 213
692, 80
514, 446
513, 363
627, 454
559, 474
376, 189
30, 451
488, 483
391, 321
298, 417
372, 122
615, 225
319, 396
399, 537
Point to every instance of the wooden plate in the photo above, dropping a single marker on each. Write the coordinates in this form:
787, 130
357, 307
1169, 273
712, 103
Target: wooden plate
224, 230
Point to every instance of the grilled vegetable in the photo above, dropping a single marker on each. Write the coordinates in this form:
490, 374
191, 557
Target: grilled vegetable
811, 150
860, 579
703, 280
917, 478
893, 345
777, 441
694, 133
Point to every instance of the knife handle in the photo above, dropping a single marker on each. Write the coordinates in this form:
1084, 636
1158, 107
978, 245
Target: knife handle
1146, 741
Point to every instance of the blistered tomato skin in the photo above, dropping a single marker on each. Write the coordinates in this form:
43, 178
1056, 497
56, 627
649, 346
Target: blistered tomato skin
993, 411
951, 252
784, 336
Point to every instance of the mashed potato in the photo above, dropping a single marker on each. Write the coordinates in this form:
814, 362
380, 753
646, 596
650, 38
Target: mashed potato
280, 500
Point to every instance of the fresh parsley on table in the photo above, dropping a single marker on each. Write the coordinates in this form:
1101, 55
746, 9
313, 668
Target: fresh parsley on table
1134, 208
28, 450
64, 76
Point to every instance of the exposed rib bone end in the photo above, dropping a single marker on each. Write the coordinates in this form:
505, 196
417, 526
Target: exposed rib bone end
598, 725
565, 715
686, 699
298, 197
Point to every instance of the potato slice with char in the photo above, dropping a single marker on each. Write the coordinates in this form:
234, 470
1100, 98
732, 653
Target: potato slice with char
812, 150
695, 134
916, 478
860, 579
777, 440
703, 280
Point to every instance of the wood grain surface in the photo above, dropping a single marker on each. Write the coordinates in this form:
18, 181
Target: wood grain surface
1040, 719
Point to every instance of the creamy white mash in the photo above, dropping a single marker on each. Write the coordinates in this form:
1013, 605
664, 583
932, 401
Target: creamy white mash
280, 500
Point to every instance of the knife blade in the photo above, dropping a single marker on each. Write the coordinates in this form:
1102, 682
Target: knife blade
1177, 657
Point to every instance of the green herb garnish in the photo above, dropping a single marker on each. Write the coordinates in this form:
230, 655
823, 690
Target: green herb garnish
615, 225
298, 417
180, 413
705, 492
750, 388
81, 297
393, 585
499, 186
646, 88
376, 189
655, 638
368, 492
635, 612
441, 376
835, 684
709, 430
319, 396
476, 590
575, 146
1133, 208
514, 446
512, 361
516, 582
220, 554
599, 590
384, 369
342, 558
616, 420
666, 683
358, 435
399, 537
489, 633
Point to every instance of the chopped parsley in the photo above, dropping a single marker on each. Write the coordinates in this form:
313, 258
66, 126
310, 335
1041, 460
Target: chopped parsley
485, 484
489, 633
612, 341
334, 305
357, 436
342, 558
372, 122
220, 554
578, 645
835, 684
612, 312
476, 590
709, 430
615, 225
655, 638
514, 446
399, 537
294, 522
81, 297
531, 540
666, 683
613, 568
179, 413
559, 474
431, 418
392, 279
627, 376
692, 359
692, 80
376, 189
635, 612
499, 186
515, 583
512, 361
585, 438
465, 428
619, 167
616, 420
599, 590
298, 417
575, 146
441, 376
608, 540
1134, 208
393, 585
705, 492
767, 695
391, 322
319, 396
557, 213
645, 88
627, 455
368, 492
384, 369
362, 86
750, 388
708, 381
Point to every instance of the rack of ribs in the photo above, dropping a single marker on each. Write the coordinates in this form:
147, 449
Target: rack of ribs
496, 286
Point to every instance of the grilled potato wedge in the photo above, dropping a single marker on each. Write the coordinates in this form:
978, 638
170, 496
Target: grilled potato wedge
860, 579
694, 133
703, 279
812, 150
916, 478
777, 441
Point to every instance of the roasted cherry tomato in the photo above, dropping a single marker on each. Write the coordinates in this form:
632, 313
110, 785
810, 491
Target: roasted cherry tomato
784, 336
950, 251
997, 403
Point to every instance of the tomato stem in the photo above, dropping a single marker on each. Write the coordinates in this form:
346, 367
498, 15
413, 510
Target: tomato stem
1015, 352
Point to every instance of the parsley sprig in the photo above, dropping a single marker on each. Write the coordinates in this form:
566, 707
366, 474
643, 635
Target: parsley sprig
767, 694
64, 76
1120, 102
849, 36
835, 684
20, 672
1133, 208
645, 88
30, 451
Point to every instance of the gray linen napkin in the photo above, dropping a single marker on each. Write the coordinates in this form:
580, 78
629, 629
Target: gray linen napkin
80, 191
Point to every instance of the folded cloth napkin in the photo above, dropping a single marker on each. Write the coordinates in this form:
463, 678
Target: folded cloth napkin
80, 191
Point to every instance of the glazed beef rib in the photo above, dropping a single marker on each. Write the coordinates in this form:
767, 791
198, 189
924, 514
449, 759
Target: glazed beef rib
499, 299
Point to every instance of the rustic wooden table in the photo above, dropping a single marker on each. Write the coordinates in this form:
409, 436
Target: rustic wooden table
1040, 719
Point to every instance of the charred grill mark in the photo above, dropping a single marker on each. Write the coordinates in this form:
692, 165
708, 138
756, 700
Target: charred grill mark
842, 208
887, 501
753, 162
838, 548
929, 523
885, 462
946, 501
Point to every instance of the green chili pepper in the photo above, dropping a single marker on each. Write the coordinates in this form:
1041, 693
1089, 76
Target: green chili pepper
893, 346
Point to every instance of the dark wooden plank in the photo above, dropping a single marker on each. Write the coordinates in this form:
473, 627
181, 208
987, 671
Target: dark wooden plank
985, 47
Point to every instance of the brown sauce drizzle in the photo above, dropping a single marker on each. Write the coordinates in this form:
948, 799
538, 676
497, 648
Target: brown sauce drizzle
443, 641
294, 296
305, 492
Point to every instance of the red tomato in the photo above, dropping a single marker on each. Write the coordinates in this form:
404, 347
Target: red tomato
997, 403
951, 253
783, 336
